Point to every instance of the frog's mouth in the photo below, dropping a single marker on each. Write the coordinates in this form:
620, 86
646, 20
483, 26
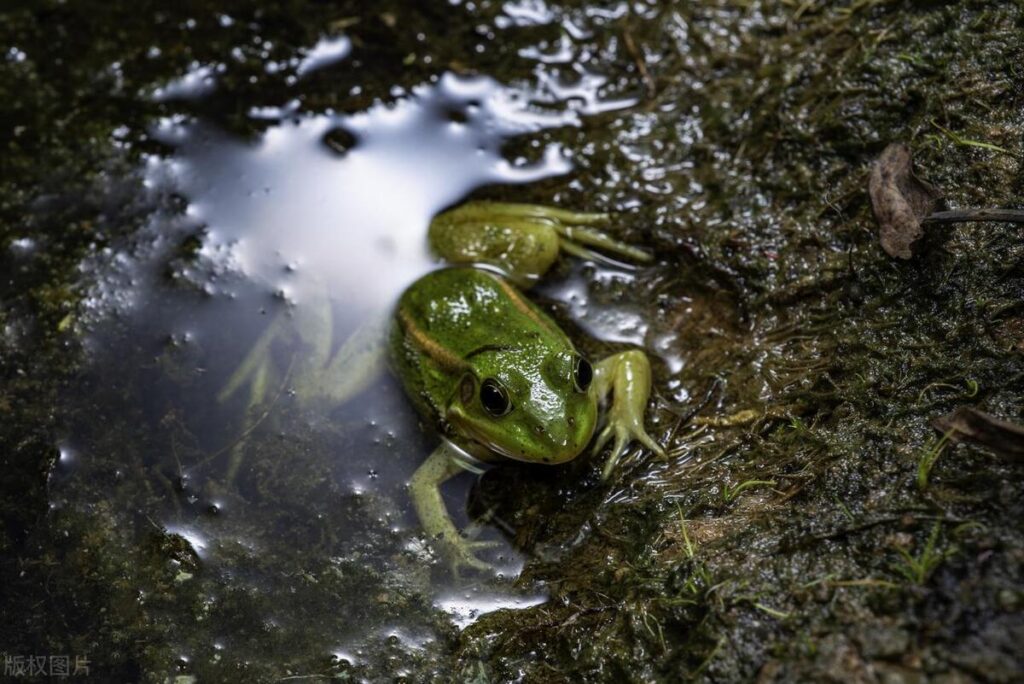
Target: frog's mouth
472, 430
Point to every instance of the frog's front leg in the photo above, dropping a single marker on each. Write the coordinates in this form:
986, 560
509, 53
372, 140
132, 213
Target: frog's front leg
627, 376
425, 485
523, 240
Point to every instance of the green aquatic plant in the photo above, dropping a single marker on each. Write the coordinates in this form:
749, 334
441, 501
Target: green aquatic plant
691, 549
699, 583
928, 459
831, 581
917, 569
781, 615
729, 493
972, 388
960, 140
707, 660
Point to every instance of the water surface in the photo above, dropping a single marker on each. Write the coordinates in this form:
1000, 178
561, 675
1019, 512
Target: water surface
304, 235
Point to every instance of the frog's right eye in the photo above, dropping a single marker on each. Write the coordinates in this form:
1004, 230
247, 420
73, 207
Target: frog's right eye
494, 398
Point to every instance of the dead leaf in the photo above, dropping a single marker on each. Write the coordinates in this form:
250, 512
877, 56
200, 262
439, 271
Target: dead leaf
900, 200
968, 424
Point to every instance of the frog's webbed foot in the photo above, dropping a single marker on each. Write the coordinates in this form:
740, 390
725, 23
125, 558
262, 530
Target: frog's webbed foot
575, 241
461, 553
456, 549
523, 240
307, 328
577, 231
627, 376
256, 373
624, 432
254, 370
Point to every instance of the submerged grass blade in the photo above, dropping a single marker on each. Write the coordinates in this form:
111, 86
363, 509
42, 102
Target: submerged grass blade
960, 140
928, 459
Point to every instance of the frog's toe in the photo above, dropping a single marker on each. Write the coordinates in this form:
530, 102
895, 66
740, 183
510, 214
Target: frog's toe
623, 436
651, 444
462, 554
621, 440
602, 439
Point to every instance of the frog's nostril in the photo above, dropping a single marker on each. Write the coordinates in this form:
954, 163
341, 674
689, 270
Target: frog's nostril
539, 429
571, 421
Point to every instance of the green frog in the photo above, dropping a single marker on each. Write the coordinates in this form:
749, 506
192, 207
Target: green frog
482, 363
492, 371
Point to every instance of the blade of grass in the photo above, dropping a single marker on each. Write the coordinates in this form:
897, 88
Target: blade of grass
960, 140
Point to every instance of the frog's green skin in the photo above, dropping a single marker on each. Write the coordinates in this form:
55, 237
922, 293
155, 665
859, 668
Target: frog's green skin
458, 330
457, 327
461, 329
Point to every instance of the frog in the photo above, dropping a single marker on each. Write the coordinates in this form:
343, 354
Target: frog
492, 371
487, 368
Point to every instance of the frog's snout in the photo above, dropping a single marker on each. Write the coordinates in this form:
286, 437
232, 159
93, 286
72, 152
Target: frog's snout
561, 440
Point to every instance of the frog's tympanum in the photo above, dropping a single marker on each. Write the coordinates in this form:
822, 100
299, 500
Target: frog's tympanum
486, 366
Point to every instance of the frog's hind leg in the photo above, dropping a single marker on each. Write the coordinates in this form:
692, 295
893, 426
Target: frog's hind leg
483, 210
255, 373
309, 327
524, 240
575, 228
523, 248
253, 367
254, 406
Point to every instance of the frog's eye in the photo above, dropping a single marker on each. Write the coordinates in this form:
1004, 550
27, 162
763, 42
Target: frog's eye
494, 398
582, 374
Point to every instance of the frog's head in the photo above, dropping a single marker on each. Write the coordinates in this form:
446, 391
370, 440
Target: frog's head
525, 403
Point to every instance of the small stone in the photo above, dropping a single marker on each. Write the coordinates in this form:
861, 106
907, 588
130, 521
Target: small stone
882, 641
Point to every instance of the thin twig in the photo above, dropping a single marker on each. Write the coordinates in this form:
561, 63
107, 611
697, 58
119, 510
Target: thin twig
969, 215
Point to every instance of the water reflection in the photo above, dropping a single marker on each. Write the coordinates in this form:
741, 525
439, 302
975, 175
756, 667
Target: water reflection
295, 213
468, 607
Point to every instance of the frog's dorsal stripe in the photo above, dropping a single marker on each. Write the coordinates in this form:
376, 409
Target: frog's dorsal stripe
444, 357
524, 307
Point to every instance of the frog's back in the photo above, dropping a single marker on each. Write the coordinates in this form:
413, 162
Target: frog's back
446, 316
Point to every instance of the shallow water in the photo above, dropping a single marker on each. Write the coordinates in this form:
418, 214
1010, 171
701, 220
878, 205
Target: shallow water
308, 233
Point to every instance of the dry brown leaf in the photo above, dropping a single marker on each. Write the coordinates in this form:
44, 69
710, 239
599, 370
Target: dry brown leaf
900, 200
1003, 437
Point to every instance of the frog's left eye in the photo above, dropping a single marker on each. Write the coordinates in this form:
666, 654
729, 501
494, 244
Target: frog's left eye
582, 374
494, 398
